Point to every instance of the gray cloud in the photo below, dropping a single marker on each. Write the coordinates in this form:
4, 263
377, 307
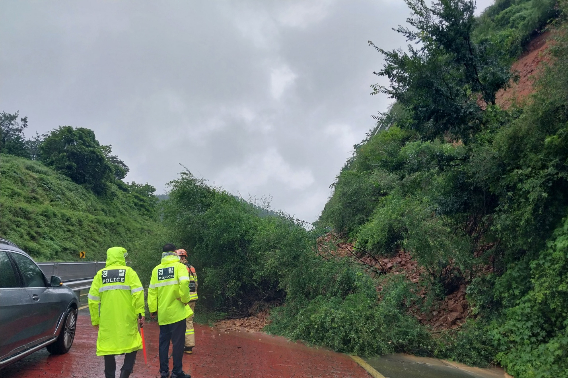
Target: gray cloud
264, 99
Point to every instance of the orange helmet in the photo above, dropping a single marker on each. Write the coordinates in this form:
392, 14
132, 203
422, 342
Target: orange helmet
181, 252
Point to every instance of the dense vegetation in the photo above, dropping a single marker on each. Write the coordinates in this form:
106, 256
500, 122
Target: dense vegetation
461, 183
244, 253
475, 193
252, 259
511, 24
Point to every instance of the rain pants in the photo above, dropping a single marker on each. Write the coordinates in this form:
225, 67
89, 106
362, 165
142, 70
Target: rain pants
189, 329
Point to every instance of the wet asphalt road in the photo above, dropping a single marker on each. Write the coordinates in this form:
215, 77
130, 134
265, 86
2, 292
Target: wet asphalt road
217, 354
405, 366
237, 354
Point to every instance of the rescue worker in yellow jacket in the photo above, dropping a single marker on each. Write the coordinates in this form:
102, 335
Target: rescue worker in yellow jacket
116, 299
189, 330
168, 295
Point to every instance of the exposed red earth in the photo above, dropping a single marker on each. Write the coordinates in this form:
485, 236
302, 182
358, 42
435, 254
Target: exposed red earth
448, 313
253, 323
219, 353
528, 66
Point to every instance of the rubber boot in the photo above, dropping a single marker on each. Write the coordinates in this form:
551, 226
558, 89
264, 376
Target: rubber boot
181, 375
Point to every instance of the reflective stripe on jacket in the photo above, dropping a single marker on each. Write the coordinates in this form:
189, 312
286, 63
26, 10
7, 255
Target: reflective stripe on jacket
192, 279
120, 294
168, 292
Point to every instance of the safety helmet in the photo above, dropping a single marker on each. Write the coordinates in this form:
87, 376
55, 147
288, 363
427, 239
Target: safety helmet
181, 252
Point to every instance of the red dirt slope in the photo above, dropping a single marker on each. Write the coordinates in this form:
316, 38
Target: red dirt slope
528, 66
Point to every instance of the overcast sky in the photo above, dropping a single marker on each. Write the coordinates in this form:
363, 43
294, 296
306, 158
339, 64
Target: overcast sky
264, 99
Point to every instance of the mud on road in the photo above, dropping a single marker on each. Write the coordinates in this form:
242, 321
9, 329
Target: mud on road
218, 353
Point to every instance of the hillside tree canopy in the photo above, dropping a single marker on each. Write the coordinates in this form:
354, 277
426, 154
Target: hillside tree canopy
444, 76
12, 140
76, 153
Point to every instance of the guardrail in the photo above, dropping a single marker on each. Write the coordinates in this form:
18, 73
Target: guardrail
77, 275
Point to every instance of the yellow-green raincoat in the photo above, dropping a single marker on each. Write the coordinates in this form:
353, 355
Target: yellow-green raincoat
168, 292
120, 294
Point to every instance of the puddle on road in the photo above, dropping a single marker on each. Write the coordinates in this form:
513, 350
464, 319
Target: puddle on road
404, 366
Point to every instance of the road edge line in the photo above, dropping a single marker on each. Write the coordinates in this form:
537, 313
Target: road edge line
83, 307
367, 367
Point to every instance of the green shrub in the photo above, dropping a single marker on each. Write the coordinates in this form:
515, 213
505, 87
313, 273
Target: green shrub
351, 320
471, 344
366, 178
532, 337
244, 254
411, 224
355, 196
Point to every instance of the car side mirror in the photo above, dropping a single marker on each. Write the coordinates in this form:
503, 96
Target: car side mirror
55, 281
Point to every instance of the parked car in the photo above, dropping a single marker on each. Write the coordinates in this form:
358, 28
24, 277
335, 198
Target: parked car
34, 312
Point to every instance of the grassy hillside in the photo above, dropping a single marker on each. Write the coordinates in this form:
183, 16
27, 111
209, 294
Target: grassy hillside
53, 219
513, 23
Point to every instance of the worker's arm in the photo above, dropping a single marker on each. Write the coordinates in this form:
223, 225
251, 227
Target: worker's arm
137, 292
153, 292
183, 279
94, 298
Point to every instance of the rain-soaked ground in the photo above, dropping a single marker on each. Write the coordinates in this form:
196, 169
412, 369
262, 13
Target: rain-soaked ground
405, 366
234, 354
217, 354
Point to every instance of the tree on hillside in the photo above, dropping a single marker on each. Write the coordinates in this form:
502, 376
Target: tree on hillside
119, 168
12, 140
444, 77
33, 145
143, 197
77, 154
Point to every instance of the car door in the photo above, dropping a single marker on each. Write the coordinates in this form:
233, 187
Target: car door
46, 307
14, 306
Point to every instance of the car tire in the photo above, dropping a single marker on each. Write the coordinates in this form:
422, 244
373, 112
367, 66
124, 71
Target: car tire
66, 335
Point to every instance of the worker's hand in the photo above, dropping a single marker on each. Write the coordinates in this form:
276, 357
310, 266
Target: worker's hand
182, 302
141, 322
153, 314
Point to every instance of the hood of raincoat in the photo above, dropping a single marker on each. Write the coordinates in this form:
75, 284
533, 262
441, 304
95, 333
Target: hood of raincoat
169, 257
116, 256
